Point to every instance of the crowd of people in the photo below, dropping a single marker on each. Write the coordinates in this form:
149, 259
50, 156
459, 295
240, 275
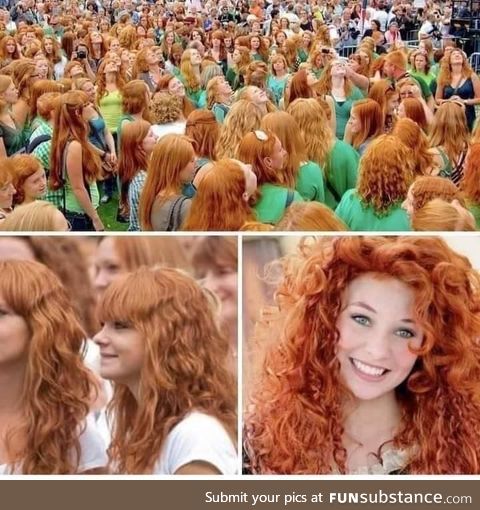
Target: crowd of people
221, 116
119, 355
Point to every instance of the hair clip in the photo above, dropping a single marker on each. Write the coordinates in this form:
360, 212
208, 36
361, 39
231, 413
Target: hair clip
261, 135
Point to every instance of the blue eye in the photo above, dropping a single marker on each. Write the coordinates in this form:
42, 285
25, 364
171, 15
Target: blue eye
405, 333
361, 319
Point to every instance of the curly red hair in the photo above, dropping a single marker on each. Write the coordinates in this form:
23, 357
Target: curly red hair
295, 423
184, 369
58, 388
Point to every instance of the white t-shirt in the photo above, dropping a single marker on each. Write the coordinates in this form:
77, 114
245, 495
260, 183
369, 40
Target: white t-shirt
175, 128
198, 437
92, 451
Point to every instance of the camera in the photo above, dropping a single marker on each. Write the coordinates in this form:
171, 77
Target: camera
326, 51
81, 54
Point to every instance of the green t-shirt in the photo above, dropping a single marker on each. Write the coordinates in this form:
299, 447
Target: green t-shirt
361, 217
341, 169
475, 210
310, 182
271, 206
342, 111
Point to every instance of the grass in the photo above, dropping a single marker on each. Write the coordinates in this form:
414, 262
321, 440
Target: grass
108, 214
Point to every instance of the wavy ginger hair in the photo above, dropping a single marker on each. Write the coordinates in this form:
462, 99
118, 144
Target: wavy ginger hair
414, 110
184, 368
219, 203
288, 132
471, 178
411, 134
310, 216
69, 125
299, 396
315, 129
385, 173
57, 386
24, 166
440, 216
428, 187
102, 81
191, 81
244, 116
170, 156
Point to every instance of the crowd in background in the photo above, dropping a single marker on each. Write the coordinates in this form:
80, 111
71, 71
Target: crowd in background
286, 115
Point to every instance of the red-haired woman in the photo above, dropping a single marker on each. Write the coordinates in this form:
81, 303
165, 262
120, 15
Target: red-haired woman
338, 159
203, 130
219, 97
412, 108
29, 179
11, 139
305, 176
364, 125
173, 85
278, 77
138, 142
386, 95
263, 150
174, 402
222, 201
163, 204
190, 74
470, 184
46, 390
386, 170
9, 51
236, 72
457, 80
360, 332
217, 50
335, 82
75, 164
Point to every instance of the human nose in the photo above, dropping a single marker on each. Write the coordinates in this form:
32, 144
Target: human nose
101, 280
378, 344
101, 338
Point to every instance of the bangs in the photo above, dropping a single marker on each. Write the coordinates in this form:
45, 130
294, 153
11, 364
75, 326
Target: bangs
130, 297
215, 252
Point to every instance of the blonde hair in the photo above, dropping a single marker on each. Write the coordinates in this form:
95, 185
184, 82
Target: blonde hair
314, 127
310, 216
243, 117
165, 108
440, 216
37, 216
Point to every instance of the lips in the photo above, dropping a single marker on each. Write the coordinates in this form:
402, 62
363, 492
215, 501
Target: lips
106, 356
367, 371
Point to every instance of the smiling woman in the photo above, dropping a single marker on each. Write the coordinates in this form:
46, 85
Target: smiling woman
376, 364
174, 402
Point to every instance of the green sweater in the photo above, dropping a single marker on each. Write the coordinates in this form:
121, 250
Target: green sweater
271, 206
310, 182
341, 169
361, 217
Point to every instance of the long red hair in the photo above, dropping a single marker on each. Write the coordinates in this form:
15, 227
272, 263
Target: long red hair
57, 387
219, 203
295, 423
184, 369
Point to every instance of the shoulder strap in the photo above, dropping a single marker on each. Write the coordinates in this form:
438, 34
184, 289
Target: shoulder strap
37, 141
174, 216
290, 197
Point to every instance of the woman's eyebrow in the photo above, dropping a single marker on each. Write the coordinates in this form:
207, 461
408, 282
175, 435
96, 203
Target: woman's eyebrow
363, 305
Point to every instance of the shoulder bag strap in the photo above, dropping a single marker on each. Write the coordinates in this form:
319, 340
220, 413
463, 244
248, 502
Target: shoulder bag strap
171, 214
290, 197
